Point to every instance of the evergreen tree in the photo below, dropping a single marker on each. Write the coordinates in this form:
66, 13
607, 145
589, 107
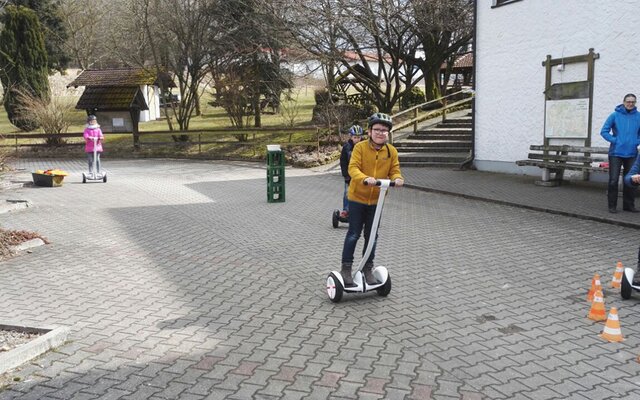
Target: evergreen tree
48, 12
23, 62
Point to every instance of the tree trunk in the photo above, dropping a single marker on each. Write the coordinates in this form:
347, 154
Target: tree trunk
432, 85
255, 101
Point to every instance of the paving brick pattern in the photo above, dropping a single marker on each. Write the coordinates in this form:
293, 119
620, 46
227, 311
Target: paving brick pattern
180, 281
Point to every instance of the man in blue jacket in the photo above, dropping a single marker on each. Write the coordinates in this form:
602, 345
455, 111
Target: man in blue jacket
622, 131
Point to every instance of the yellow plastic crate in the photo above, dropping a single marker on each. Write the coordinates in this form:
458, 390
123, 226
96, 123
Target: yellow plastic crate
47, 180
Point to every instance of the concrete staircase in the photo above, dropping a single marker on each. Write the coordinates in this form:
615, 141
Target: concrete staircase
445, 145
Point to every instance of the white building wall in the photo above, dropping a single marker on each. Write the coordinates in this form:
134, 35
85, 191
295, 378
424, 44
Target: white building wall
151, 95
512, 42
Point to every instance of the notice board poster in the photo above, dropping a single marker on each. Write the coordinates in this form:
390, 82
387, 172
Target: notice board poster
566, 118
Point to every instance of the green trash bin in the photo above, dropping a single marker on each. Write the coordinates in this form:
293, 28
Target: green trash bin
275, 174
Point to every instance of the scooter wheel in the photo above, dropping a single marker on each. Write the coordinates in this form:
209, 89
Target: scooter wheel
334, 288
625, 288
385, 289
84, 178
104, 179
335, 218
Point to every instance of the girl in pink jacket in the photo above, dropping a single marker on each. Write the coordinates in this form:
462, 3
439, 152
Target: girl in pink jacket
92, 130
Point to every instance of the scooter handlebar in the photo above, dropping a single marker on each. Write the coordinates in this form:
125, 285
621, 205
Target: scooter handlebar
379, 182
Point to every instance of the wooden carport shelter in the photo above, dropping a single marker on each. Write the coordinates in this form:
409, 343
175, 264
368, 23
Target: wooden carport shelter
462, 65
355, 76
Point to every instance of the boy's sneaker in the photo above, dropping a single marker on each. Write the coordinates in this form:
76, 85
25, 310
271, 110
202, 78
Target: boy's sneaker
344, 214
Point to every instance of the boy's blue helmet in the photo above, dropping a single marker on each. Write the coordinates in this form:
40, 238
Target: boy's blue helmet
356, 130
380, 118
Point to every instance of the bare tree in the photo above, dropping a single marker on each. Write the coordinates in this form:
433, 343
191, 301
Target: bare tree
173, 36
444, 29
246, 65
89, 24
375, 31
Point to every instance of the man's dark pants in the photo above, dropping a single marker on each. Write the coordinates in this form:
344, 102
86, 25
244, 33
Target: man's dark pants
628, 193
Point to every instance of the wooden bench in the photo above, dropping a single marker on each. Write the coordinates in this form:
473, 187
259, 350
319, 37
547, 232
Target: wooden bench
555, 159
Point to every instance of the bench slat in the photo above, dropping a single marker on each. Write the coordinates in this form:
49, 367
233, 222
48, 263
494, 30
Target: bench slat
560, 166
570, 149
563, 157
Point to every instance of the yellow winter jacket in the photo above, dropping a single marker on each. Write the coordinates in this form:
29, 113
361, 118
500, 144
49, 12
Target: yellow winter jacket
366, 161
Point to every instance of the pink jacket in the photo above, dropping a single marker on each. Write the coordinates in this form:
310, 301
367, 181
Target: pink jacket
89, 132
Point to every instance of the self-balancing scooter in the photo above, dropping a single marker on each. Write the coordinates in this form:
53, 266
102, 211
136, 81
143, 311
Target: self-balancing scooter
94, 176
627, 283
335, 283
336, 218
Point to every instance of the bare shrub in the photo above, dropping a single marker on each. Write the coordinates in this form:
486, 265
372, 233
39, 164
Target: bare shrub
290, 107
53, 116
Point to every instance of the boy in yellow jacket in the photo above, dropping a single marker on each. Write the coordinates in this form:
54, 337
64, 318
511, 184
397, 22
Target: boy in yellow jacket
371, 159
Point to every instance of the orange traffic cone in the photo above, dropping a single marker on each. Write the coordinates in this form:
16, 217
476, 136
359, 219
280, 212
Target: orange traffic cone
595, 285
597, 312
617, 276
612, 330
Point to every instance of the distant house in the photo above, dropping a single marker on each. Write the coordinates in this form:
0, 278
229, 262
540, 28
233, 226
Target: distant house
121, 97
513, 40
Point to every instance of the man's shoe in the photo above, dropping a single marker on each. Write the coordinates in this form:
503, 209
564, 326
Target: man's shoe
612, 210
631, 209
346, 275
368, 274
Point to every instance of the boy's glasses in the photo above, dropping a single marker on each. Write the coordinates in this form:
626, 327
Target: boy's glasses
380, 131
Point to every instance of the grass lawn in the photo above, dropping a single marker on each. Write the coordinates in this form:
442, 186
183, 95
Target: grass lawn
294, 114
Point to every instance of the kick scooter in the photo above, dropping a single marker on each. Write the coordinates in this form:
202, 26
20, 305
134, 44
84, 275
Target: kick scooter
335, 283
94, 176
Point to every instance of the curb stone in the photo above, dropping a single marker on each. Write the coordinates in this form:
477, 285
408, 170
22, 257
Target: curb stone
13, 204
52, 337
35, 242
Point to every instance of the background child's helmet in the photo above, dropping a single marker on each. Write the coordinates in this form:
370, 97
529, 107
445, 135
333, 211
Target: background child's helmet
380, 118
91, 118
356, 130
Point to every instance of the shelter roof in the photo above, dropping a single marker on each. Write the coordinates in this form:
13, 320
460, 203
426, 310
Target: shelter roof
112, 99
465, 61
354, 74
121, 77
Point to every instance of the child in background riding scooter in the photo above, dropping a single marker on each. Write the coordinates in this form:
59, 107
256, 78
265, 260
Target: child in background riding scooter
92, 130
355, 134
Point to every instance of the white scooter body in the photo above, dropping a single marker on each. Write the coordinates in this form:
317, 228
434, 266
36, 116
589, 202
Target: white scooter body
335, 283
627, 283
95, 176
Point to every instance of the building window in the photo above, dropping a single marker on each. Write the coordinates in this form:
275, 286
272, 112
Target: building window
498, 3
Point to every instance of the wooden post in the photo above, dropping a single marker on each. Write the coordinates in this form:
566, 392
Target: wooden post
415, 118
135, 119
199, 142
444, 109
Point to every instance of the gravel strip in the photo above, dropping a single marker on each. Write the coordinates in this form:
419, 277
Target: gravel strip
10, 339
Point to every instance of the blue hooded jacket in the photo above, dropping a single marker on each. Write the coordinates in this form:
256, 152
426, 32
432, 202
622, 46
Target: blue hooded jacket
622, 130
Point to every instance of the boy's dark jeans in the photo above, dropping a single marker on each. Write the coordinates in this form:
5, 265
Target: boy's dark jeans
360, 215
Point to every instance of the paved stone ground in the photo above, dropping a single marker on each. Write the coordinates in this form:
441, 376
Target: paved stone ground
179, 280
